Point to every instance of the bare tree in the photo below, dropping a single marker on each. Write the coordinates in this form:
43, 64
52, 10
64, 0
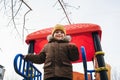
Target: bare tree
13, 8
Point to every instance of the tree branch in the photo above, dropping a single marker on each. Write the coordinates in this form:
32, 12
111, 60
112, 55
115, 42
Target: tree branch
13, 18
25, 17
64, 11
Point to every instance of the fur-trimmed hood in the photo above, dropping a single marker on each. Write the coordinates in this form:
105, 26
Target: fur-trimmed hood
67, 38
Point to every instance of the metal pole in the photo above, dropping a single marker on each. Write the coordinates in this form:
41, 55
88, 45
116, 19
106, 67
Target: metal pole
31, 47
30, 51
84, 62
100, 58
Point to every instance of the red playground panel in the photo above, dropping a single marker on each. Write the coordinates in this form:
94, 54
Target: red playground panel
81, 35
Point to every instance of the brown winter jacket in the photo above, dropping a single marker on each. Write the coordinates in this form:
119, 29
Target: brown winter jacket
57, 57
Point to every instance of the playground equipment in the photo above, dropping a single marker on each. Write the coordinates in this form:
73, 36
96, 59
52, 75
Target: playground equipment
26, 69
87, 38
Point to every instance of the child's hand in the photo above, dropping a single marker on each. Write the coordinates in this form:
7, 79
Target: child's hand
24, 56
73, 52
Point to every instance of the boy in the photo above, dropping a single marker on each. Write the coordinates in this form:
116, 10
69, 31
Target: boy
57, 55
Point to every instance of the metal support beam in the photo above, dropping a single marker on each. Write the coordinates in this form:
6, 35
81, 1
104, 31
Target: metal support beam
100, 58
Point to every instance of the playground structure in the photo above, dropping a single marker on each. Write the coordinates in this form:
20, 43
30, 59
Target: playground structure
87, 38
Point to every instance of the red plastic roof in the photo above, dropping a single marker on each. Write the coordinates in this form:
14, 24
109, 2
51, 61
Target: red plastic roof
81, 35
70, 29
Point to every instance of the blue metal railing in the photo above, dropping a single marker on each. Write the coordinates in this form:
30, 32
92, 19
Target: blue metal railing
26, 69
85, 65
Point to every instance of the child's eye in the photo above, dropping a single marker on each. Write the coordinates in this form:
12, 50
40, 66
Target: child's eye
59, 32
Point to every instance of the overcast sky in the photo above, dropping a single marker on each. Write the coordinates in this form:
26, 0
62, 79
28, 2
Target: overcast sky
47, 13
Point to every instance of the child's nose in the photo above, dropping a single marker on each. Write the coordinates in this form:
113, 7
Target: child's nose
59, 32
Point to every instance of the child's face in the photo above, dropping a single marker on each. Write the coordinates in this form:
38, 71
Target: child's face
59, 35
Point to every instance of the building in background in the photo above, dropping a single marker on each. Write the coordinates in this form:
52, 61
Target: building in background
2, 71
